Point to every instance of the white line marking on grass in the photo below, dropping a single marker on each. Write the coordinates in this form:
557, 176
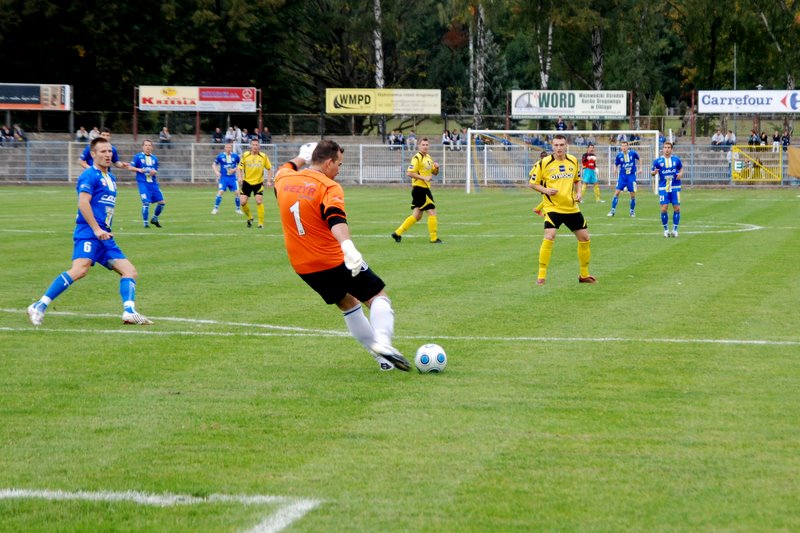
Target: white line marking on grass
289, 511
294, 331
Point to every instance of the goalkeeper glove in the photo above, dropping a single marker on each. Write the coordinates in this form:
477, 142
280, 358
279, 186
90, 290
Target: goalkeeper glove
305, 152
352, 257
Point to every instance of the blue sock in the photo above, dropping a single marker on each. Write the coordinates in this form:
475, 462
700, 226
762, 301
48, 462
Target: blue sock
127, 290
664, 219
145, 212
59, 285
217, 201
238, 201
614, 203
633, 204
159, 209
676, 219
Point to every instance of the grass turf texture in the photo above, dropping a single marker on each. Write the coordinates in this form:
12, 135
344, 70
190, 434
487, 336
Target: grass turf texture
633, 404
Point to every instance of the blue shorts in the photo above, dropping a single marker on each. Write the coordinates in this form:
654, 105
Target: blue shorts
672, 197
626, 182
149, 192
589, 176
103, 252
228, 184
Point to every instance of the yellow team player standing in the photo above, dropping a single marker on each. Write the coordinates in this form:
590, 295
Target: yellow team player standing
255, 171
557, 177
421, 171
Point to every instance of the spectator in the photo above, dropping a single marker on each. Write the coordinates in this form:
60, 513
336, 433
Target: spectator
455, 140
753, 139
217, 137
6, 137
718, 139
391, 140
730, 138
230, 135
463, 140
560, 124
164, 138
82, 135
246, 137
94, 134
446, 141
400, 139
19, 134
266, 136
763, 139
786, 140
776, 141
411, 141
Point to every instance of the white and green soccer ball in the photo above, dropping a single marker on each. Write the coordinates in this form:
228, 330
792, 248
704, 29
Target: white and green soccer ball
430, 358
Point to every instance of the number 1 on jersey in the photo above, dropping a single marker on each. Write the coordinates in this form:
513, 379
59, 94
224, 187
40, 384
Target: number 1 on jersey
295, 209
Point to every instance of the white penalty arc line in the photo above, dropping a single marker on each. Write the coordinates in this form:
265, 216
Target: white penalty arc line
290, 510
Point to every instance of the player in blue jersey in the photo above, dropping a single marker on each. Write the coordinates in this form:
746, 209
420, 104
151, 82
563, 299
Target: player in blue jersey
85, 159
626, 161
93, 239
224, 167
670, 170
145, 164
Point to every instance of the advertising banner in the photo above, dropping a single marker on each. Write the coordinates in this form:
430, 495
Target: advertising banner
383, 101
172, 98
569, 104
748, 101
35, 97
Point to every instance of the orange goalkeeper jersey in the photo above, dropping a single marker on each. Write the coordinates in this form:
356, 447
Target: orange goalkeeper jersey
307, 201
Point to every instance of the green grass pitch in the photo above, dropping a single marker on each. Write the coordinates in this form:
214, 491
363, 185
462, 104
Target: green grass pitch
664, 398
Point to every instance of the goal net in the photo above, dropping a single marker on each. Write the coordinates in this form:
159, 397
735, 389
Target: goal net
503, 158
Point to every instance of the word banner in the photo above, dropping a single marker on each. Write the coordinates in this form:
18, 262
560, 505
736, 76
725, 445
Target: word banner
569, 104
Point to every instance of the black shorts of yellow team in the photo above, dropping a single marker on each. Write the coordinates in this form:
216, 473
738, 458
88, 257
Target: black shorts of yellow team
574, 221
335, 283
249, 189
422, 198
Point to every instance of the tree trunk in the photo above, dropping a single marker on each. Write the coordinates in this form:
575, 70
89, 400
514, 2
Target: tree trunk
379, 79
480, 67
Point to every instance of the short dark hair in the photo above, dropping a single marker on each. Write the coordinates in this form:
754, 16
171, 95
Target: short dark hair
671, 145
560, 136
325, 150
96, 141
105, 130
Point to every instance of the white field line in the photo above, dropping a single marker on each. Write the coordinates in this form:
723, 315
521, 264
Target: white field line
289, 509
286, 331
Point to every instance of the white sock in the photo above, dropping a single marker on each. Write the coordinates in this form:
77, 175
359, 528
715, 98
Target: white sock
359, 326
381, 315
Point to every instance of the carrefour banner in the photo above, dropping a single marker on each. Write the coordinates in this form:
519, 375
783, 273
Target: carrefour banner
35, 97
748, 101
569, 104
383, 101
171, 98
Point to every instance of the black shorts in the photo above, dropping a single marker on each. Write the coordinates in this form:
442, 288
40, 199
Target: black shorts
574, 221
335, 283
249, 188
422, 198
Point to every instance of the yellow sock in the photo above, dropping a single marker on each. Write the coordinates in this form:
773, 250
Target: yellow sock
597, 192
260, 209
539, 207
433, 226
545, 251
407, 223
584, 255
246, 209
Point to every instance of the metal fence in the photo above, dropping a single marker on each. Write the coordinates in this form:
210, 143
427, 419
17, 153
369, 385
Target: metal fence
366, 164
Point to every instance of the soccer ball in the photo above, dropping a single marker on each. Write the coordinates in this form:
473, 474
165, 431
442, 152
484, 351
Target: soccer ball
430, 358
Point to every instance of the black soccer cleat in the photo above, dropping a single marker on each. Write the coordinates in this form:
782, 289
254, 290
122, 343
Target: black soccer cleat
154, 221
249, 222
396, 237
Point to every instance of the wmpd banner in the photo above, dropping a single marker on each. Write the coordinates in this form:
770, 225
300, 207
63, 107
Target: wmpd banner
383, 101
172, 98
29, 97
569, 104
748, 101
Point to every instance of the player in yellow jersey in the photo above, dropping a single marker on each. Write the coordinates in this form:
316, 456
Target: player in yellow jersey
557, 177
255, 171
421, 170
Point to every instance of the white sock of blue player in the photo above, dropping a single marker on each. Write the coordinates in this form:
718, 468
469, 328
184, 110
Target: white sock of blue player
145, 213
614, 203
381, 316
359, 326
59, 285
676, 219
159, 209
633, 204
217, 201
665, 220
127, 290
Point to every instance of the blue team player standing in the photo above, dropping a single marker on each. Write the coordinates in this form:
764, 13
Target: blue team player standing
224, 167
626, 161
145, 164
670, 170
85, 159
93, 240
